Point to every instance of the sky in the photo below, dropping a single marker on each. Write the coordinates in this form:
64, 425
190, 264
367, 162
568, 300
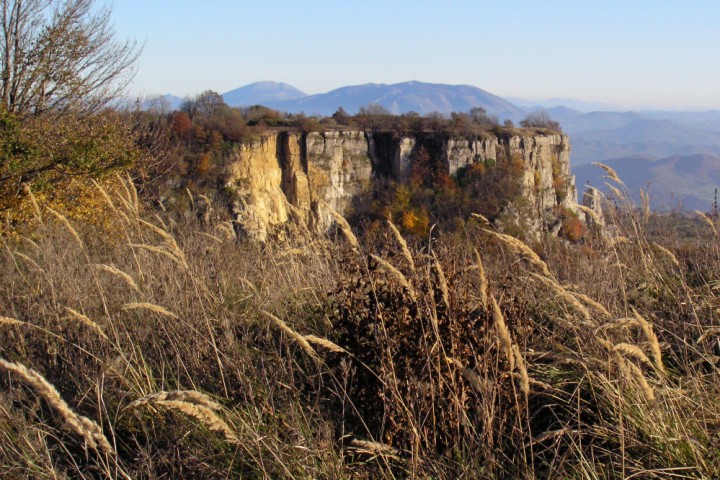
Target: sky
659, 54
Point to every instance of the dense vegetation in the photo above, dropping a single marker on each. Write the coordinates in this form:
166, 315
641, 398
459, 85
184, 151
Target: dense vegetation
162, 347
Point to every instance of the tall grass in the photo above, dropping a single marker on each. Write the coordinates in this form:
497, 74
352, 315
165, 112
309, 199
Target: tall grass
195, 355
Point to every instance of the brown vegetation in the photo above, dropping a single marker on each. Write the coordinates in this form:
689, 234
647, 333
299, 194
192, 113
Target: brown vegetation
469, 356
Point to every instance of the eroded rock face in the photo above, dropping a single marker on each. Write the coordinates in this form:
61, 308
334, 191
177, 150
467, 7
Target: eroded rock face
255, 176
592, 199
291, 175
338, 168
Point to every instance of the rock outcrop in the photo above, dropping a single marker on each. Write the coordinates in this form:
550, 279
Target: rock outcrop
280, 176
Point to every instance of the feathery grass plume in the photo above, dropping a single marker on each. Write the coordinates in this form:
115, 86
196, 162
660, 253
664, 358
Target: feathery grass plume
31, 242
343, 224
615, 190
625, 322
644, 385
553, 434
29, 260
397, 274
205, 199
127, 199
704, 335
172, 255
482, 277
133, 192
442, 281
67, 225
707, 220
618, 240
621, 363
169, 240
192, 200
211, 237
164, 234
82, 426
84, 319
227, 230
612, 175
324, 342
150, 307
301, 340
249, 284
10, 321
403, 244
503, 333
292, 252
564, 294
592, 213
374, 448
645, 202
632, 351
188, 396
667, 253
471, 377
206, 416
592, 303
652, 340
33, 201
118, 273
109, 201
482, 218
521, 247
522, 369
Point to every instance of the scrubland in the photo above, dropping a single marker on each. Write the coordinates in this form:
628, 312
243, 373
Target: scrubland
159, 346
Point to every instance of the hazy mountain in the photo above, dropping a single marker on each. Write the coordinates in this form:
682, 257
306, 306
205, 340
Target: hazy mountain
419, 97
708, 120
165, 102
648, 138
261, 93
573, 121
688, 181
572, 103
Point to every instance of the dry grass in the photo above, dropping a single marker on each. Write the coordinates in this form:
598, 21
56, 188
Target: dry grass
83, 426
86, 321
452, 365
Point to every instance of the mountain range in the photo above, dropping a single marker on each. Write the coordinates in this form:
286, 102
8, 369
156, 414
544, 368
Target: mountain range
420, 97
676, 153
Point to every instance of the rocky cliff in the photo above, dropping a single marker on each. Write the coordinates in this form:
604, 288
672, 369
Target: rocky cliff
282, 176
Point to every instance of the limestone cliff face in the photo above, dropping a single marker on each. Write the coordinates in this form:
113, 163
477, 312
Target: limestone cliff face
255, 176
338, 168
282, 176
545, 158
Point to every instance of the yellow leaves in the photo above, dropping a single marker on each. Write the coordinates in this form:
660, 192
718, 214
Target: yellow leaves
76, 199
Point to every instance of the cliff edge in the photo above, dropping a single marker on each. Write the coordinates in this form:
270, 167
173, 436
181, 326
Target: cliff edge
278, 177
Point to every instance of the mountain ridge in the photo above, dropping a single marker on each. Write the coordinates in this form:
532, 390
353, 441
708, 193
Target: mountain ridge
420, 97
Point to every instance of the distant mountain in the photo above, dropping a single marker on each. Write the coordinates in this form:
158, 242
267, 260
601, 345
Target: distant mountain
261, 93
708, 120
163, 102
647, 137
573, 121
688, 181
398, 98
578, 105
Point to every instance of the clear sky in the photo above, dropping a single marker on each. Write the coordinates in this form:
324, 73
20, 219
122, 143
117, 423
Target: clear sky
635, 53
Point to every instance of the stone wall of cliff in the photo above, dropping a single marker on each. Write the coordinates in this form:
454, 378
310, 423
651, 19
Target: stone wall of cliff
283, 176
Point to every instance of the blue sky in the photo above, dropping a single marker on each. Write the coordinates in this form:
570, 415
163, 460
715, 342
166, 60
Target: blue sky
635, 53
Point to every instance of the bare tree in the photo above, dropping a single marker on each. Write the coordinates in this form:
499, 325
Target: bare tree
61, 56
540, 119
